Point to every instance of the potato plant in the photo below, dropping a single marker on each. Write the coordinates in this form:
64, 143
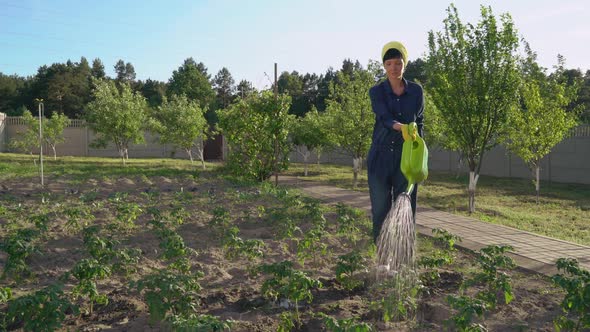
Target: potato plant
347, 266
438, 258
43, 310
194, 322
19, 245
88, 271
169, 293
492, 260
576, 303
344, 325
235, 246
288, 283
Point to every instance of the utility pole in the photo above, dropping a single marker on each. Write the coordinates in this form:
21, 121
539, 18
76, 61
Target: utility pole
276, 91
41, 113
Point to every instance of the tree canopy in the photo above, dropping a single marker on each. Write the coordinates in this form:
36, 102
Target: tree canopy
117, 116
473, 80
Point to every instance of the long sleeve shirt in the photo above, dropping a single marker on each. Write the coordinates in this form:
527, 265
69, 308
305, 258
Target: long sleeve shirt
390, 108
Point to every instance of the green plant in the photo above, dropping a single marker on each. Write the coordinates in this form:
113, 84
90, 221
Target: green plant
173, 246
19, 245
220, 222
312, 244
446, 239
344, 325
100, 248
180, 121
178, 214
401, 297
439, 258
118, 115
77, 217
89, 197
467, 308
43, 310
126, 212
257, 132
87, 272
168, 291
235, 246
286, 282
40, 221
193, 322
346, 266
287, 322
576, 303
125, 260
491, 259
5, 294
105, 251
348, 221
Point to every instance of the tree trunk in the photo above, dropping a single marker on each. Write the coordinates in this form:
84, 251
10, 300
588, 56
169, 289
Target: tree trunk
319, 154
537, 182
201, 152
305, 157
122, 154
472, 185
54, 152
190, 155
356, 167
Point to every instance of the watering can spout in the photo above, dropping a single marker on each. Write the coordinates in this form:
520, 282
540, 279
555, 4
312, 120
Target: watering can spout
414, 161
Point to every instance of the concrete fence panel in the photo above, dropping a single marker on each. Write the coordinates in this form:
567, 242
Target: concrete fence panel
568, 162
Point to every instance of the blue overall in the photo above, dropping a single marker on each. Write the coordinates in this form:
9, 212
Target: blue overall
386, 180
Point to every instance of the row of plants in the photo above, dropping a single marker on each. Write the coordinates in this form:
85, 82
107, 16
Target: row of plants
172, 291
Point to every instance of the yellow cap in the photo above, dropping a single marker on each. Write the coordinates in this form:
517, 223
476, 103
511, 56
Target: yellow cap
398, 46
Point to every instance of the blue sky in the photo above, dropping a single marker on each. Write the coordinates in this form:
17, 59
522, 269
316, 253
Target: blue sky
248, 37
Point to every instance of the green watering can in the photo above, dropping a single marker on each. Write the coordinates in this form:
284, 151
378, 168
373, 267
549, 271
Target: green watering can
414, 164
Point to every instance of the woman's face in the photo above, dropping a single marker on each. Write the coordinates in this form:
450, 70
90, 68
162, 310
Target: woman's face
394, 68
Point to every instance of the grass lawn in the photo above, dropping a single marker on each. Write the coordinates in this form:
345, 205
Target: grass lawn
84, 168
563, 211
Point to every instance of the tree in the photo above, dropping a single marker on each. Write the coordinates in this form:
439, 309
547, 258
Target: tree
153, 91
416, 71
308, 135
28, 140
117, 116
192, 80
473, 81
257, 129
181, 122
324, 89
573, 80
292, 84
125, 72
65, 88
245, 89
584, 99
350, 119
53, 131
98, 69
223, 83
542, 120
11, 93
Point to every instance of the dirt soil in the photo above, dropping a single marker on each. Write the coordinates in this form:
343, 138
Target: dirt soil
229, 291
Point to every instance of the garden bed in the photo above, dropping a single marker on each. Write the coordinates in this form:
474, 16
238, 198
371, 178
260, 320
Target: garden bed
170, 227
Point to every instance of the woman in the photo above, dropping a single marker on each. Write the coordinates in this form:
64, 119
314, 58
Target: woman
395, 102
